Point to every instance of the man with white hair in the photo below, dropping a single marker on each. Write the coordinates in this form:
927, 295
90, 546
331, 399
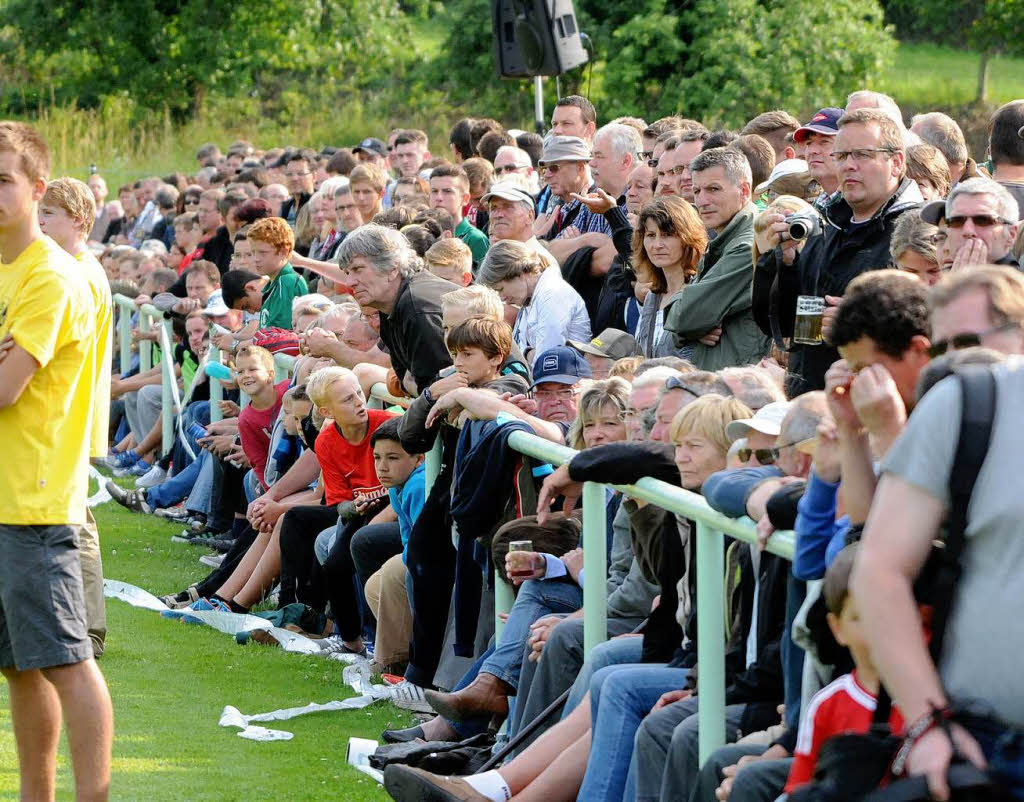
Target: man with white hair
511, 160
866, 99
981, 221
385, 273
613, 157
943, 133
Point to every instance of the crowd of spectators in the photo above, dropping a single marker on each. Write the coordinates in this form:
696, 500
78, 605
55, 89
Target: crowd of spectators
749, 315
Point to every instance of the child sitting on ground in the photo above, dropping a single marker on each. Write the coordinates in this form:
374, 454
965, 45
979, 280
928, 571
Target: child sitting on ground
403, 474
847, 705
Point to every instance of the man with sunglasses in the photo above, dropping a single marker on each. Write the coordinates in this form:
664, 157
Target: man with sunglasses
874, 191
981, 306
981, 220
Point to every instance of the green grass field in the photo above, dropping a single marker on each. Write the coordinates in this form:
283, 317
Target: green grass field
170, 681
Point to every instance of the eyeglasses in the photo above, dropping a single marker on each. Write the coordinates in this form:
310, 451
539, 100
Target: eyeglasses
191, 201
979, 220
765, 456
551, 395
297, 175
960, 341
550, 168
509, 168
859, 154
647, 155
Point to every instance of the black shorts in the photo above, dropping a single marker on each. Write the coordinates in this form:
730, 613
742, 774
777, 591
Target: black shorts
42, 603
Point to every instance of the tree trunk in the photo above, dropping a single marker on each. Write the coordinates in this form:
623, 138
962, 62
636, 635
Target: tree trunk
983, 77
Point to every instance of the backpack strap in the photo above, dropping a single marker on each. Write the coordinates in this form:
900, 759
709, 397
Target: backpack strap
976, 419
978, 385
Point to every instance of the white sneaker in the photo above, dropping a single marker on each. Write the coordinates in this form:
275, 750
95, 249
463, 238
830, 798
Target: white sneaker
212, 560
410, 697
152, 477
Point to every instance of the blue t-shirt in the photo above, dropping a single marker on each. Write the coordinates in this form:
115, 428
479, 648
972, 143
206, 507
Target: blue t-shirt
407, 501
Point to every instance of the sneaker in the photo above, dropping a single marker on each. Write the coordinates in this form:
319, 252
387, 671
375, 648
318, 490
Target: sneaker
203, 605
139, 469
134, 500
119, 459
152, 477
334, 645
212, 560
222, 544
205, 538
410, 697
177, 601
176, 513
196, 522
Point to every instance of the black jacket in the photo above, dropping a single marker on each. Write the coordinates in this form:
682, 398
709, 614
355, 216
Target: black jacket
286, 207
412, 331
828, 263
219, 248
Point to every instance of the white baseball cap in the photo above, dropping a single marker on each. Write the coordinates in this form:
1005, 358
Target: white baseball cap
767, 420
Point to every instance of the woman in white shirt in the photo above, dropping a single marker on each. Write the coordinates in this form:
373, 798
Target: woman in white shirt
550, 310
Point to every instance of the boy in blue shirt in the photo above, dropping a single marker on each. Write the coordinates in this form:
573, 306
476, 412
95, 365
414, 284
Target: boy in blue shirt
403, 474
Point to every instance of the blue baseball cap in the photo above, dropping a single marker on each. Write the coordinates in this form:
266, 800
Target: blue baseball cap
826, 122
563, 365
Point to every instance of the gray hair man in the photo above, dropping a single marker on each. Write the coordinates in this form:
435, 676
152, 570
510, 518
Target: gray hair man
385, 273
714, 313
981, 222
943, 133
614, 156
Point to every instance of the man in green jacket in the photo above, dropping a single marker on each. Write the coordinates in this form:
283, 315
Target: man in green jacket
714, 311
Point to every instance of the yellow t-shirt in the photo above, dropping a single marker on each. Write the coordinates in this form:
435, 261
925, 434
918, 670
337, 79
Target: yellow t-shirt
102, 353
47, 307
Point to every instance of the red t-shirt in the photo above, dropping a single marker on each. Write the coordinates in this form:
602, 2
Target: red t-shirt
840, 708
254, 429
347, 468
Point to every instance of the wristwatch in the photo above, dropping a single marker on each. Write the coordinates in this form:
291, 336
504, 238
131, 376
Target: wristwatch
430, 399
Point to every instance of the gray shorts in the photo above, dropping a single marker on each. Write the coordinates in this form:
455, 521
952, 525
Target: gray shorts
42, 603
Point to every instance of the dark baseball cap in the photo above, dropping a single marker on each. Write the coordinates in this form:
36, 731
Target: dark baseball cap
934, 212
563, 365
610, 343
372, 145
826, 122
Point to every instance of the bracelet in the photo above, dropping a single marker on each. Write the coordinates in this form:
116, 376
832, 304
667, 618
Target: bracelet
936, 717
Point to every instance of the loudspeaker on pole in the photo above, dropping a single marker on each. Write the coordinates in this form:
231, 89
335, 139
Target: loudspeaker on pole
536, 37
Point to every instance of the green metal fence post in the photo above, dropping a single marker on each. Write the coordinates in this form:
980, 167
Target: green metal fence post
216, 391
124, 335
145, 346
710, 639
433, 465
595, 547
504, 598
168, 378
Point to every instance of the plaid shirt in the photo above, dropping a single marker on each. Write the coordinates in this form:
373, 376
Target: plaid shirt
578, 215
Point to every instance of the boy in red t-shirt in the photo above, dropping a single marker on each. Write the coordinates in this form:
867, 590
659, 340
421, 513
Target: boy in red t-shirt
847, 705
254, 369
350, 482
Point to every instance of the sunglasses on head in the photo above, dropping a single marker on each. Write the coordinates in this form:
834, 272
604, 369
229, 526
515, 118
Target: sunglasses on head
979, 220
959, 342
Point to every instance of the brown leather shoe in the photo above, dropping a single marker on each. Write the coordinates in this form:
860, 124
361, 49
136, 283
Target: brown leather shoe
409, 784
486, 695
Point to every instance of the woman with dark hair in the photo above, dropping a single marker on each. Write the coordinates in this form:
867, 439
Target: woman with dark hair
668, 242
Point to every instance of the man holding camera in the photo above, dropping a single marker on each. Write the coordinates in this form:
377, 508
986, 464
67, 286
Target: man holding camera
853, 238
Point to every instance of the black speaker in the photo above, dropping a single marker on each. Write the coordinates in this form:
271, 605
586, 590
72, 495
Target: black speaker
536, 37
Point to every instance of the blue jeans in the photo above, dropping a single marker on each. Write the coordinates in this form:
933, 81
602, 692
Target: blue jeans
620, 698
1004, 749
173, 490
614, 652
201, 497
536, 598
196, 412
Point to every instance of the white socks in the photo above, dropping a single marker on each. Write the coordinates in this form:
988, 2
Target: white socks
491, 784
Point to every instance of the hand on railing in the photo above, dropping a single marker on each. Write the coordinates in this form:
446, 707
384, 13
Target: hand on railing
229, 409
223, 341
152, 335
557, 484
187, 305
141, 300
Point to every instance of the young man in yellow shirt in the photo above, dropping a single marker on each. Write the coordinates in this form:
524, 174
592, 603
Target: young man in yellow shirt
47, 386
66, 215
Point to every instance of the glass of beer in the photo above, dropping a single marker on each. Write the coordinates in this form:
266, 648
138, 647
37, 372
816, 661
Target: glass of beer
519, 563
809, 310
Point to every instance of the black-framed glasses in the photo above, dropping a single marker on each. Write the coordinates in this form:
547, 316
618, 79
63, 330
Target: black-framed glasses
647, 155
859, 154
959, 342
979, 220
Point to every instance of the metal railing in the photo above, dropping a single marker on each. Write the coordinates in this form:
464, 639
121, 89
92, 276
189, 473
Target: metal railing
712, 526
